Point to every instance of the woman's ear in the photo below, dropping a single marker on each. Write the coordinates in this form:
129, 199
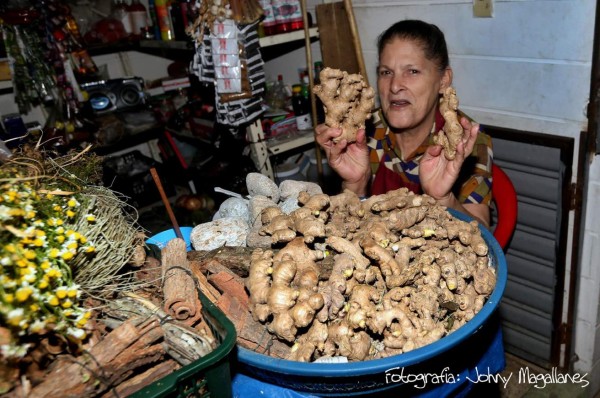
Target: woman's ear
446, 80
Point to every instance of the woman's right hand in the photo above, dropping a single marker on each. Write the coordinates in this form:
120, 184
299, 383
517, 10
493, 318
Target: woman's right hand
349, 160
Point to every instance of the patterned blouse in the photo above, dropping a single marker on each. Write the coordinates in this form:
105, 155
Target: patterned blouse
473, 185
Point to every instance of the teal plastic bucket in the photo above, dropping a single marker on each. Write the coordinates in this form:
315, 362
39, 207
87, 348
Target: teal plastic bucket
162, 238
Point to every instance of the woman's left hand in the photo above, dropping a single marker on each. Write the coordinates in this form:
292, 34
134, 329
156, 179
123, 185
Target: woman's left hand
438, 174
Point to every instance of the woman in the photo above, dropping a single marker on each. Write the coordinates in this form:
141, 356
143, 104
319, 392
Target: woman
412, 73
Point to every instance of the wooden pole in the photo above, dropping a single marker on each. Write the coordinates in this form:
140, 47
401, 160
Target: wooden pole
165, 201
313, 100
356, 40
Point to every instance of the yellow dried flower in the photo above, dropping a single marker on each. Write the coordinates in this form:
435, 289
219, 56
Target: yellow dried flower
53, 301
67, 255
23, 293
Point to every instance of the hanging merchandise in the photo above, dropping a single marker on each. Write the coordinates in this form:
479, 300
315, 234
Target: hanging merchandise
228, 56
50, 62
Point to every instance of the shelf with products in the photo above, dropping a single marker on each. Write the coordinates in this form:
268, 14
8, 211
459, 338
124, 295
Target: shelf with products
272, 46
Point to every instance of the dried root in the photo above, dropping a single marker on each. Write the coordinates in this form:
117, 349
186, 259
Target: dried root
347, 100
452, 133
404, 273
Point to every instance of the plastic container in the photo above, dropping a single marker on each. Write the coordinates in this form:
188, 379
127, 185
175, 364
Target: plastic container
268, 23
138, 18
462, 349
209, 376
312, 173
288, 171
162, 238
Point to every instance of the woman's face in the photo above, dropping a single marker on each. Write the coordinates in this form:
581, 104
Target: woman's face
409, 85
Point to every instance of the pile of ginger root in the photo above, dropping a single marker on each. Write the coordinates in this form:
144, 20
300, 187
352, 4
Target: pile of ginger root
366, 279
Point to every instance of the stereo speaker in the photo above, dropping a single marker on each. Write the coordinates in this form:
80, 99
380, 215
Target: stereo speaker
115, 95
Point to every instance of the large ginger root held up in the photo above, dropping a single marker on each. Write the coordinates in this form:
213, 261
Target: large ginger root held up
347, 100
452, 133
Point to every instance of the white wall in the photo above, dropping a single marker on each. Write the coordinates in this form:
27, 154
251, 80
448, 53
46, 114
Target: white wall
526, 68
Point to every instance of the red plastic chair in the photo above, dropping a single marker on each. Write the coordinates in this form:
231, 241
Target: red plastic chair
505, 199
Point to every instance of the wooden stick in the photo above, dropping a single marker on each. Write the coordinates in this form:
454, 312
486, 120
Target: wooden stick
311, 79
163, 196
356, 40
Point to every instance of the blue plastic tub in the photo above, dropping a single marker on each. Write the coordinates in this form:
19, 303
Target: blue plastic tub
459, 353
162, 238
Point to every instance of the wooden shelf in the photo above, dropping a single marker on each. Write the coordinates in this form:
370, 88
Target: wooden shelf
277, 146
6, 87
283, 38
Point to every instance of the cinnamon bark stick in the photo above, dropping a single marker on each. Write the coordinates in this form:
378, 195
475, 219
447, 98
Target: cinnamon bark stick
142, 380
179, 286
132, 345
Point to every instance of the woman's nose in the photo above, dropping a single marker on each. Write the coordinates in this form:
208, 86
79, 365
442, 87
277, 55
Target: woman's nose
396, 83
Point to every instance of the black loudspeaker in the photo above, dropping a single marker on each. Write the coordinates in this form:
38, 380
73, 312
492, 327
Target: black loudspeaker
115, 95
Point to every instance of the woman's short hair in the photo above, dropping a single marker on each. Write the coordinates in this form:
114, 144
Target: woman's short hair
428, 35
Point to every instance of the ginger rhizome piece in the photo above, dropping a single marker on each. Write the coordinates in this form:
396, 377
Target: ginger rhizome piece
367, 279
452, 132
347, 100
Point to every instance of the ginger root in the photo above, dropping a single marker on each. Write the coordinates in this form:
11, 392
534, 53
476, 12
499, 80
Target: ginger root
452, 133
367, 279
347, 100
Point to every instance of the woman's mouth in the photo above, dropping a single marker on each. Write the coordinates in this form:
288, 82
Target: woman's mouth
399, 103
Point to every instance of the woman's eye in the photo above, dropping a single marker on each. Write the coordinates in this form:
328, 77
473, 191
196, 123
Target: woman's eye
413, 71
384, 72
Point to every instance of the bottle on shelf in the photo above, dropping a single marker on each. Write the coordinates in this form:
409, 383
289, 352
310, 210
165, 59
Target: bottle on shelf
305, 86
280, 13
177, 20
268, 23
295, 20
154, 20
301, 107
138, 18
278, 96
188, 13
120, 13
288, 15
164, 20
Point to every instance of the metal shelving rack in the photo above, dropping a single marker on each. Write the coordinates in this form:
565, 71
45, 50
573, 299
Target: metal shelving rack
261, 149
